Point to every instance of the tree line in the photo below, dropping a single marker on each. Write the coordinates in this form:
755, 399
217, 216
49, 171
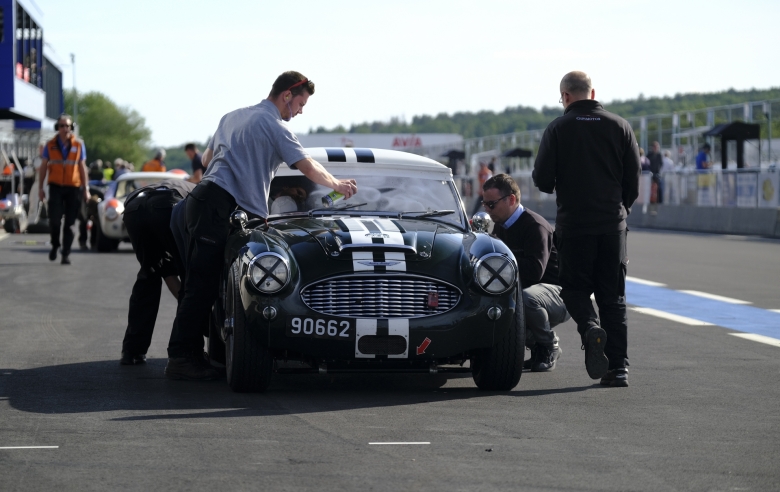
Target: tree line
522, 118
112, 131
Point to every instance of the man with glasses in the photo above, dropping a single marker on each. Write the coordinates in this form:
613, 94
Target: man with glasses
64, 161
242, 158
530, 237
589, 157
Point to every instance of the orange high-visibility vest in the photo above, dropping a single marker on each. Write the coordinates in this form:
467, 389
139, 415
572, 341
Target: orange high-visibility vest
154, 166
64, 170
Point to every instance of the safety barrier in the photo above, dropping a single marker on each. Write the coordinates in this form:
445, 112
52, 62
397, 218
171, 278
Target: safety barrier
740, 201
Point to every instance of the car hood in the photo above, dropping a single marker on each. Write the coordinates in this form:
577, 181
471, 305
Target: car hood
365, 238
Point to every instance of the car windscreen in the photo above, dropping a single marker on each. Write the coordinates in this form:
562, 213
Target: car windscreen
379, 193
124, 188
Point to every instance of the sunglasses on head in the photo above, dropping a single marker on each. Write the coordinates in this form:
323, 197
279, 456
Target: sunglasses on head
492, 203
304, 81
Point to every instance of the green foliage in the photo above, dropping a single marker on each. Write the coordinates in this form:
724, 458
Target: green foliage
175, 158
522, 118
110, 131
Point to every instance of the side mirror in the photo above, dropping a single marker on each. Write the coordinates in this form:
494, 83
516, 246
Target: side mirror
481, 222
238, 219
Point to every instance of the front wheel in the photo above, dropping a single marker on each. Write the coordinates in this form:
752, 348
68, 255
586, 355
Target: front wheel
248, 363
105, 244
499, 368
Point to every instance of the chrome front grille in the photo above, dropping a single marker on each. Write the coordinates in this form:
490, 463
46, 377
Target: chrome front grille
372, 297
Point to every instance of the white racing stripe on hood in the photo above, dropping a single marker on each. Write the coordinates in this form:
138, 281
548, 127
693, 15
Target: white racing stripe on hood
358, 233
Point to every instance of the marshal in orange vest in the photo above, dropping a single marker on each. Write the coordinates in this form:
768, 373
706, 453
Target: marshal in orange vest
64, 170
154, 166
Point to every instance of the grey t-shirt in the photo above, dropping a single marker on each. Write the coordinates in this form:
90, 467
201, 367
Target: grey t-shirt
249, 145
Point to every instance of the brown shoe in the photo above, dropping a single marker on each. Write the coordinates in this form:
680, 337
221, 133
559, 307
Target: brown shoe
192, 368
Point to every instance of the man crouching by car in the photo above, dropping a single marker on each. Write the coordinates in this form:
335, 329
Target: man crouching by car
530, 237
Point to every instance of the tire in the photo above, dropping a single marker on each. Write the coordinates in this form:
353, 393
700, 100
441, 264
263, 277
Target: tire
215, 345
105, 244
40, 227
249, 365
499, 368
10, 225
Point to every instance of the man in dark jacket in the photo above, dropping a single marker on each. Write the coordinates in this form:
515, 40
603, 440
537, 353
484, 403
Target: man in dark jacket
590, 158
147, 218
530, 238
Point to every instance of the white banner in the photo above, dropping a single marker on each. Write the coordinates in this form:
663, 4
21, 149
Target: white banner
768, 188
747, 192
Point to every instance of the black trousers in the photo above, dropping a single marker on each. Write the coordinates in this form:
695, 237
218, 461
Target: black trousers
63, 201
147, 219
208, 210
597, 265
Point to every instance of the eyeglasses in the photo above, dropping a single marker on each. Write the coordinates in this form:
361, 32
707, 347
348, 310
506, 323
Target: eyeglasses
63, 125
492, 203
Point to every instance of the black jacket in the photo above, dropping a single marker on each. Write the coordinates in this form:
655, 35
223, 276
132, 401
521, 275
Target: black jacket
531, 240
590, 158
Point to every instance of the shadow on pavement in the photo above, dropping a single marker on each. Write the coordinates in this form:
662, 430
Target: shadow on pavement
106, 386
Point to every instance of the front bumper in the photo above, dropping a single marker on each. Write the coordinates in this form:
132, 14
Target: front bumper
433, 338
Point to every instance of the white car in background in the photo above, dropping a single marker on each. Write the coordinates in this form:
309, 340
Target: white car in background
110, 228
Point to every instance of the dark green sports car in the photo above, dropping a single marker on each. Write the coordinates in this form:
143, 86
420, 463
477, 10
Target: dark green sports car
393, 279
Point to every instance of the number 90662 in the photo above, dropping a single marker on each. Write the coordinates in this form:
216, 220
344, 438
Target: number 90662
331, 328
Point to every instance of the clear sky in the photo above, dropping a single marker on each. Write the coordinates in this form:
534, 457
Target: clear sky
183, 64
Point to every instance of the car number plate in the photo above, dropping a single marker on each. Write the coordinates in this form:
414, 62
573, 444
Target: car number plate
321, 327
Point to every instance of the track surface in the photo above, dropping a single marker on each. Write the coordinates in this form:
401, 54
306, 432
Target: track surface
700, 414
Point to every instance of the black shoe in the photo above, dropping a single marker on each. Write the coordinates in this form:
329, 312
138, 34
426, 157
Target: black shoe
83, 246
129, 359
596, 363
53, 253
616, 378
528, 364
545, 358
65, 259
192, 368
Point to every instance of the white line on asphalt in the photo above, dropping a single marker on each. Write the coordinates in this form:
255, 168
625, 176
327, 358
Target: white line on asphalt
714, 297
672, 317
758, 338
396, 443
29, 447
644, 282
3, 236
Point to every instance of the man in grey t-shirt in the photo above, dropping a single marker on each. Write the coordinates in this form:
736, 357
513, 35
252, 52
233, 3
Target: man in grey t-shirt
248, 147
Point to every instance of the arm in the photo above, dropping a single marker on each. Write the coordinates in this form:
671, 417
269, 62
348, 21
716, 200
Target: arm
546, 163
206, 157
532, 261
632, 169
83, 173
315, 172
42, 171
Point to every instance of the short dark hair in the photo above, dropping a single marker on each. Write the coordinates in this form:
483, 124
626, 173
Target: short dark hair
190, 146
706, 146
504, 184
287, 80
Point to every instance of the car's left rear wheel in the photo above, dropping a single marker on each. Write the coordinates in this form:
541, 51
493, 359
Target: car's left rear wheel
248, 363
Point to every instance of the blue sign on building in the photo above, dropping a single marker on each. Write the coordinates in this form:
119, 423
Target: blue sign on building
31, 96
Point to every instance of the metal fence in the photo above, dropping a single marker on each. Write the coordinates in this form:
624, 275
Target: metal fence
680, 132
743, 188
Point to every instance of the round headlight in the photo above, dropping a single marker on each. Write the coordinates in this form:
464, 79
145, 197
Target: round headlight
269, 272
111, 213
495, 273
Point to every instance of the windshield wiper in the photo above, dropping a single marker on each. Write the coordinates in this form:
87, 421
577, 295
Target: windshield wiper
335, 209
433, 213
